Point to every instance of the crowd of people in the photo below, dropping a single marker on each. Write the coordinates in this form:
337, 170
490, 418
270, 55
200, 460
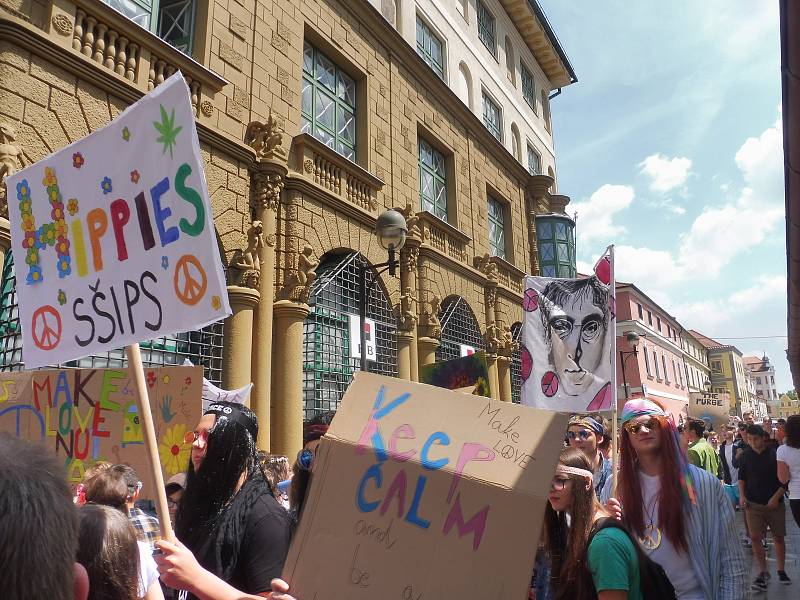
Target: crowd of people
661, 526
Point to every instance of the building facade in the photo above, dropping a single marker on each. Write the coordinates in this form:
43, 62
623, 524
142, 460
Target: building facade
728, 373
787, 407
695, 361
762, 374
314, 117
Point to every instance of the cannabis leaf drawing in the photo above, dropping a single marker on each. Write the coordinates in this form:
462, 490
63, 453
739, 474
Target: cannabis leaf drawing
168, 131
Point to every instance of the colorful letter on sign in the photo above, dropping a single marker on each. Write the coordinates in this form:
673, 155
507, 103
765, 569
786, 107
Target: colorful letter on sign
113, 236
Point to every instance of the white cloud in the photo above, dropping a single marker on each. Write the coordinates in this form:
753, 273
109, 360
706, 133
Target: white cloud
666, 174
596, 215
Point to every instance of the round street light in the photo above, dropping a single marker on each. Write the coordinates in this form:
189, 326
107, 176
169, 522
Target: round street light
632, 338
391, 230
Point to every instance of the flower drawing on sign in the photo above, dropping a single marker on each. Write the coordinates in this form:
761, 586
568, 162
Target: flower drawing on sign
216, 303
77, 160
151, 378
168, 131
135, 176
105, 185
173, 451
165, 262
188, 381
34, 275
62, 297
126, 134
72, 206
165, 379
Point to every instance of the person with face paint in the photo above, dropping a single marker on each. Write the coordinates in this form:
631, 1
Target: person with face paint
678, 511
586, 434
228, 516
575, 317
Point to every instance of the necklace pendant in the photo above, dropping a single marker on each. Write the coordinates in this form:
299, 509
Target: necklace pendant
651, 538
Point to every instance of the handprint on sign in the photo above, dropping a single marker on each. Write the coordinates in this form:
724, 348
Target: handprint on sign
166, 409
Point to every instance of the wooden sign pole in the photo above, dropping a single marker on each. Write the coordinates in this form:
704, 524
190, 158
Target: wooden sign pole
136, 370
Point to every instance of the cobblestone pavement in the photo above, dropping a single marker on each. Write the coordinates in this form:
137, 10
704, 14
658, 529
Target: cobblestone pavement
775, 590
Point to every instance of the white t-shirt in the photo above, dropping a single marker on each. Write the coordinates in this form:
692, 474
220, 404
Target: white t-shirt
677, 565
148, 569
791, 456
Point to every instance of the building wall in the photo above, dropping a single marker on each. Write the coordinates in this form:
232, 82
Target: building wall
727, 375
696, 364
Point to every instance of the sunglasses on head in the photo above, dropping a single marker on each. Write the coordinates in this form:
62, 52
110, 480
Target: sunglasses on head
583, 434
190, 437
635, 428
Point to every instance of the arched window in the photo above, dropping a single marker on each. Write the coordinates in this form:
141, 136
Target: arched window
459, 326
546, 112
510, 62
464, 85
516, 365
328, 362
203, 347
516, 148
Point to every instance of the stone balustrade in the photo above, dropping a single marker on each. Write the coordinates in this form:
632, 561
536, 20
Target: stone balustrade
443, 237
508, 275
341, 177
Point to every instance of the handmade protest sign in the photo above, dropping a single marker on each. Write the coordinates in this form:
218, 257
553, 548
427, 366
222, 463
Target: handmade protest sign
421, 492
88, 415
468, 373
117, 235
711, 407
568, 341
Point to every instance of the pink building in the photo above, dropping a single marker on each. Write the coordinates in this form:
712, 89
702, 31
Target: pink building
659, 369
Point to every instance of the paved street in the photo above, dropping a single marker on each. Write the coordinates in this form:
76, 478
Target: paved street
777, 591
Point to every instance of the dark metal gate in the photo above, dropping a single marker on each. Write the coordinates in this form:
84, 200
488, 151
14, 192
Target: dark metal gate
459, 326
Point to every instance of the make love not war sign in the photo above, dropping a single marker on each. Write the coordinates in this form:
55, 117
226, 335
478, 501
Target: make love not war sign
113, 236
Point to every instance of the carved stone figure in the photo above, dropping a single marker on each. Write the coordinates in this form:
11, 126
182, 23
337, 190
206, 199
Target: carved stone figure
266, 138
487, 267
493, 339
431, 317
299, 281
245, 267
408, 312
10, 155
412, 220
509, 346
268, 190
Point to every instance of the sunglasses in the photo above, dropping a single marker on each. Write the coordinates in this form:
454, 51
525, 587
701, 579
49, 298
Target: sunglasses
583, 434
558, 483
635, 428
190, 437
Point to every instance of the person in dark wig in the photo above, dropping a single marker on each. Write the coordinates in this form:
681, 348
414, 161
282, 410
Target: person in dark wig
228, 516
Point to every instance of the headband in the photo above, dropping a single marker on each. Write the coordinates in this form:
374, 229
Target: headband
234, 412
640, 407
589, 423
565, 470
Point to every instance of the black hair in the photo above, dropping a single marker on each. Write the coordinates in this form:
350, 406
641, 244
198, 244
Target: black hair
793, 431
560, 291
212, 514
756, 430
38, 524
697, 426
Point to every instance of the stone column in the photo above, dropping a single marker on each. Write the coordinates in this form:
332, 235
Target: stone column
287, 410
408, 313
414, 350
405, 340
504, 377
5, 241
427, 350
268, 181
494, 384
239, 337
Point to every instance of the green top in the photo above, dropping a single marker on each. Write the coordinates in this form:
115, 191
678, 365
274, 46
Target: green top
613, 563
702, 454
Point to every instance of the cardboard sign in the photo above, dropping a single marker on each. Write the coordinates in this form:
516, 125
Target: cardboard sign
469, 373
87, 415
421, 492
117, 235
568, 341
711, 407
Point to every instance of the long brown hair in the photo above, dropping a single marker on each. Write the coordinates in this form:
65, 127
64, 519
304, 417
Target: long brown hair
671, 501
568, 545
108, 551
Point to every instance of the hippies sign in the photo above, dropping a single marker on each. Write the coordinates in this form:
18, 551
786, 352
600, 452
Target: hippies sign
420, 492
568, 341
117, 235
87, 415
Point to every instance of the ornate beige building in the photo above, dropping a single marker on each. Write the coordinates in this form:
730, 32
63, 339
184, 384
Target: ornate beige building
314, 117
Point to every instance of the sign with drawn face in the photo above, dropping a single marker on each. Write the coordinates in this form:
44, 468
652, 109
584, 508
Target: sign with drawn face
420, 492
113, 236
87, 415
568, 343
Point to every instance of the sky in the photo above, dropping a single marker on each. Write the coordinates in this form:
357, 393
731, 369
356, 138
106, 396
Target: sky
670, 147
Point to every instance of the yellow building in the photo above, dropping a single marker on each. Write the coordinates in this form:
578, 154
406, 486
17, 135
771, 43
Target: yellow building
314, 117
788, 407
727, 373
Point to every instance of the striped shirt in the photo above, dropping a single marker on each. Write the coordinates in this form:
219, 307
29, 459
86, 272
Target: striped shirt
716, 554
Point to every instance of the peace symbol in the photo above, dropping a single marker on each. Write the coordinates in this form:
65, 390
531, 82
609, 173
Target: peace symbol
530, 302
46, 327
549, 384
190, 280
651, 538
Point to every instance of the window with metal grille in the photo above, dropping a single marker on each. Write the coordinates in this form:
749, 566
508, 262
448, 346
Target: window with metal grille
328, 104
497, 235
528, 86
432, 180
556, 240
492, 117
534, 161
203, 347
430, 47
327, 363
172, 20
516, 365
459, 326
486, 28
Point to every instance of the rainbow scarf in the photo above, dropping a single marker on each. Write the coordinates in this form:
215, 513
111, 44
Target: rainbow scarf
641, 407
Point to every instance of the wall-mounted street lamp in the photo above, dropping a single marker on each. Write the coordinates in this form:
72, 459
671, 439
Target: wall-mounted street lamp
633, 340
391, 230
